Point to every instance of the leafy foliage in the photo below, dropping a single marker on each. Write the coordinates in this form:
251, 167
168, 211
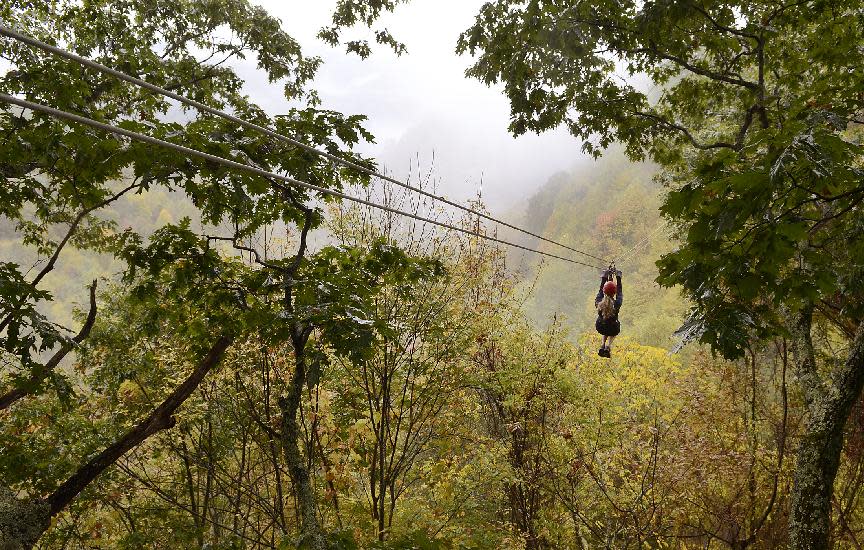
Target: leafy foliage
352, 13
389, 390
60, 183
771, 234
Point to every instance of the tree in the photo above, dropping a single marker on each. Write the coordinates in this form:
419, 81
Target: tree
517, 372
363, 13
185, 284
61, 180
333, 297
393, 399
58, 180
755, 127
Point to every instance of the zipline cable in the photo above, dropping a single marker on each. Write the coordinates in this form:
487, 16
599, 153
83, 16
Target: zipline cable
36, 43
628, 255
5, 98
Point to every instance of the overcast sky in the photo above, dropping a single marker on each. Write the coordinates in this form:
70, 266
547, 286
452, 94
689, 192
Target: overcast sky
422, 104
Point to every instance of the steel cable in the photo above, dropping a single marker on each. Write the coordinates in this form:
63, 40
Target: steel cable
31, 41
261, 172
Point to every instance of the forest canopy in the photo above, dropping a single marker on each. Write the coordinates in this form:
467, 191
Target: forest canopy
257, 364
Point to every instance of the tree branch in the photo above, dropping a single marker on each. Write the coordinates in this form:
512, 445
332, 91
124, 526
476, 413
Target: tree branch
685, 64
234, 243
685, 132
304, 234
71, 231
718, 26
160, 419
14, 395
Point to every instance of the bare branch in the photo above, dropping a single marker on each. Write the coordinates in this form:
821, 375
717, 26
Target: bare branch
721, 27
14, 395
236, 244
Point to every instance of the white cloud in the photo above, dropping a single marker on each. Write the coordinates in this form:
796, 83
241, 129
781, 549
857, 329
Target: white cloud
421, 103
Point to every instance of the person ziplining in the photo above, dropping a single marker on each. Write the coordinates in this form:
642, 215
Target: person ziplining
608, 303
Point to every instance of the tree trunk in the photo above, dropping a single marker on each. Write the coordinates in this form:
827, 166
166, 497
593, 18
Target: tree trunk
312, 534
22, 522
828, 407
383, 474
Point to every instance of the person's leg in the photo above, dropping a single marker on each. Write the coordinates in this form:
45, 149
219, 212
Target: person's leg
602, 349
608, 344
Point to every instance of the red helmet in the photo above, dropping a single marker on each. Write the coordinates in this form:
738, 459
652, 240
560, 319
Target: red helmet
610, 288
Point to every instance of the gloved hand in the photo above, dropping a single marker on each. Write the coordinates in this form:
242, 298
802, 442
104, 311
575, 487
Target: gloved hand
609, 273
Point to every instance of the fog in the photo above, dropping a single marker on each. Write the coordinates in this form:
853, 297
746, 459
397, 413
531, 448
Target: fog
420, 105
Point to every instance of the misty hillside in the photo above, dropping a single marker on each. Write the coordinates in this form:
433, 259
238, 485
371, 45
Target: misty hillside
605, 208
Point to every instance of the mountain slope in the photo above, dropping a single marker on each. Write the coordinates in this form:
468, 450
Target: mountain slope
604, 208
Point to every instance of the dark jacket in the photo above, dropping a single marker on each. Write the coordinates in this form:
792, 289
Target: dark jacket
610, 326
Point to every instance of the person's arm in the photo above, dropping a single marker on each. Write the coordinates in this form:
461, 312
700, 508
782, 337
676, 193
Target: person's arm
600, 292
619, 298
